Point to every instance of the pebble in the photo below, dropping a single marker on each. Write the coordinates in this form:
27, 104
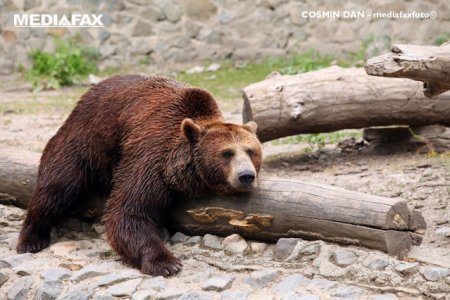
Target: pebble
194, 240
386, 296
291, 283
55, 274
49, 290
375, 263
443, 231
219, 283
93, 270
31, 267
234, 295
212, 241
294, 296
348, 292
284, 248
213, 67
434, 273
169, 294
124, 289
194, 296
80, 293
234, 244
407, 268
144, 295
344, 257
322, 283
178, 237
156, 284
119, 276
258, 247
260, 279
3, 278
20, 289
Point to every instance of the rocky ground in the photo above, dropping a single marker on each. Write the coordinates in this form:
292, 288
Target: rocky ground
80, 264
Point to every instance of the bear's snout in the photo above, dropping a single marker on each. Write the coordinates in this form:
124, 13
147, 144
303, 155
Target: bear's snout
246, 177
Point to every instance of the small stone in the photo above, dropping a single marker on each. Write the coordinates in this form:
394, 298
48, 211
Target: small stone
156, 284
194, 296
260, 279
443, 231
234, 295
258, 247
348, 292
144, 295
102, 295
3, 278
213, 68
65, 248
234, 244
15, 260
178, 237
200, 277
119, 276
219, 283
284, 248
294, 296
386, 296
376, 263
94, 79
124, 288
196, 69
49, 290
434, 273
172, 12
169, 294
212, 241
290, 283
20, 289
81, 293
31, 267
55, 274
344, 257
407, 268
93, 270
194, 240
322, 283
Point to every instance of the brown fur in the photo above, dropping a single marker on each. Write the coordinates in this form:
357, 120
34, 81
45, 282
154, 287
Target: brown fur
124, 140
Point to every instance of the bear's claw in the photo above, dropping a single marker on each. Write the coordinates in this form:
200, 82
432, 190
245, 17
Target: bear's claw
163, 267
33, 245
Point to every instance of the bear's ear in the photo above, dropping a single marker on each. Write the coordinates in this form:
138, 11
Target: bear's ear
251, 127
191, 131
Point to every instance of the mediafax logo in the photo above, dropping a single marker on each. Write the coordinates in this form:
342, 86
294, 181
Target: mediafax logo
52, 20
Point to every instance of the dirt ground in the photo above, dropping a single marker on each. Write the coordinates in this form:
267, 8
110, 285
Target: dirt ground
423, 180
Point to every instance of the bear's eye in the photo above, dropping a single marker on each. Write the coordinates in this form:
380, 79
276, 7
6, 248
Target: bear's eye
227, 153
250, 152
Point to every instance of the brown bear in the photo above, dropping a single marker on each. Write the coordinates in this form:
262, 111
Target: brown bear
141, 142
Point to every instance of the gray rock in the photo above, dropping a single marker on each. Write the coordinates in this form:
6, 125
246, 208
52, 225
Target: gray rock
194, 240
106, 50
200, 277
219, 283
376, 263
142, 28
386, 296
322, 283
407, 268
169, 294
348, 292
20, 289
178, 237
55, 274
194, 296
443, 231
200, 10
3, 278
172, 11
212, 241
295, 296
93, 270
31, 267
124, 288
119, 276
157, 284
284, 248
344, 257
233, 295
15, 260
102, 295
80, 293
234, 244
260, 279
258, 247
434, 273
290, 283
144, 295
49, 290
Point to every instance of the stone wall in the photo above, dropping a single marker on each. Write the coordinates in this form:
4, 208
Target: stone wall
165, 33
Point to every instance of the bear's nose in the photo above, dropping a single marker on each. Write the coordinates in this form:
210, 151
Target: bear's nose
246, 177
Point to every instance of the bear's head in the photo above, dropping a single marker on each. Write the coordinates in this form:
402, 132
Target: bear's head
226, 156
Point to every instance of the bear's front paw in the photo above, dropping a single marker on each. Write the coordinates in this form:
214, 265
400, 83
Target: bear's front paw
164, 265
32, 242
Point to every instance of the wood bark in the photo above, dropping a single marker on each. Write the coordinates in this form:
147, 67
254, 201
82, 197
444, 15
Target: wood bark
338, 98
429, 64
422, 139
277, 208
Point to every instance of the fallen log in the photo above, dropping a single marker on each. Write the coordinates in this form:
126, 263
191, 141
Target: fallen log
278, 208
429, 64
337, 98
421, 139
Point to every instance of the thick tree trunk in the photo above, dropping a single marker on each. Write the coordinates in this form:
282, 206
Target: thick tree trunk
278, 208
336, 98
429, 64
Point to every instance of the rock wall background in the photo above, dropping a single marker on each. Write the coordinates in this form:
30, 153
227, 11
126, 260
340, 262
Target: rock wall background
165, 33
